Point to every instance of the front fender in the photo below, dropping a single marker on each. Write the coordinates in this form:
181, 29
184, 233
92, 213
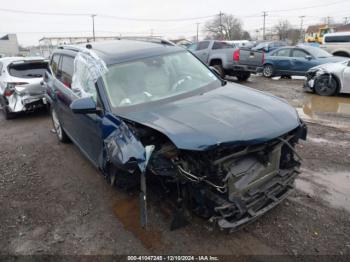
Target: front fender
121, 147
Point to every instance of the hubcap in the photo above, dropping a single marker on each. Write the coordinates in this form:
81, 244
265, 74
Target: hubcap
56, 124
267, 70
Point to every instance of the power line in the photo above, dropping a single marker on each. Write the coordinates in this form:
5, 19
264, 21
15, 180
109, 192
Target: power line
309, 7
105, 16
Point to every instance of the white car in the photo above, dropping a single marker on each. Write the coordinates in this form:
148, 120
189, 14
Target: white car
21, 86
329, 79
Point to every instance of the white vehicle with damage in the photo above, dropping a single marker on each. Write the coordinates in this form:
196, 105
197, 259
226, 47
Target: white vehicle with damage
21, 86
329, 79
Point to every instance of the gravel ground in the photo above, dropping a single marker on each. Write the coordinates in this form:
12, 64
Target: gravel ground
53, 201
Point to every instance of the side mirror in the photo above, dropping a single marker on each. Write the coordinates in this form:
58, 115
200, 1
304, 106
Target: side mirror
349, 63
215, 71
85, 105
308, 57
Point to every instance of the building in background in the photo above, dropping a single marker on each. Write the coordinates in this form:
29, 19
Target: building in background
9, 45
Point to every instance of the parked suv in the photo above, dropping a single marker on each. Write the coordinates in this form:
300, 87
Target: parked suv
337, 44
151, 110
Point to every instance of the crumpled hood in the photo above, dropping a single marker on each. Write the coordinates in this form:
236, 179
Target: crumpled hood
232, 114
331, 67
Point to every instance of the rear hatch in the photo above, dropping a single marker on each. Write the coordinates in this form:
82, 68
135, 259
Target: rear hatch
27, 75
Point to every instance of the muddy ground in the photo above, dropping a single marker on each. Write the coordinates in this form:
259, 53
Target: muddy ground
53, 201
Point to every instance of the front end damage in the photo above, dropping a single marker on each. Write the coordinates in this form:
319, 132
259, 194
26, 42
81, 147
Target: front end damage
230, 185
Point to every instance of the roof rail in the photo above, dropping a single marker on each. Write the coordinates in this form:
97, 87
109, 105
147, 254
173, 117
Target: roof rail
68, 47
157, 40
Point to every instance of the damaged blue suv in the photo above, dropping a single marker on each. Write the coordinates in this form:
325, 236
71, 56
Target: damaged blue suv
140, 110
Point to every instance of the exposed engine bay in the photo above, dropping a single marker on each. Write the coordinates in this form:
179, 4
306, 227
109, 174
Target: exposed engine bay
230, 185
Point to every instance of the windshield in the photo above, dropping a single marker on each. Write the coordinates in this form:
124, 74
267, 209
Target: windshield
155, 78
318, 52
28, 69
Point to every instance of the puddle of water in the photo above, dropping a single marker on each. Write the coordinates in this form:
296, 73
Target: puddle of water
332, 110
332, 186
127, 211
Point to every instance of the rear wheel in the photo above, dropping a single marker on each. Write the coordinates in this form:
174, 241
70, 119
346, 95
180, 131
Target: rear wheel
7, 114
61, 135
243, 76
268, 71
325, 86
220, 69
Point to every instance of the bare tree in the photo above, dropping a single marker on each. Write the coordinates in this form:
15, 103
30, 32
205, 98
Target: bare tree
225, 27
283, 29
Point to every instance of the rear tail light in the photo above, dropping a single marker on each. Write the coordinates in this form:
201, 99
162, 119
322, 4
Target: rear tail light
10, 87
236, 55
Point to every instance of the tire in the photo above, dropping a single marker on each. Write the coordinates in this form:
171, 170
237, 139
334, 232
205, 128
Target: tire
220, 70
243, 76
325, 87
61, 134
268, 71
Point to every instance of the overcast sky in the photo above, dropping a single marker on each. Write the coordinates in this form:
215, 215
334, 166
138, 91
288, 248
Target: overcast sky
30, 28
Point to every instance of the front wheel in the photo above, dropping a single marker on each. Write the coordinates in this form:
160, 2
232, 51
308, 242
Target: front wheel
326, 86
61, 134
268, 71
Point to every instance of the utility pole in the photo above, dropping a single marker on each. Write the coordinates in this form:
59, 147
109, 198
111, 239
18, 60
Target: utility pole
257, 34
264, 25
151, 32
197, 30
328, 20
93, 26
301, 26
221, 33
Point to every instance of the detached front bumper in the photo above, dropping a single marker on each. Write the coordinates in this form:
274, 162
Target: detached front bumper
255, 202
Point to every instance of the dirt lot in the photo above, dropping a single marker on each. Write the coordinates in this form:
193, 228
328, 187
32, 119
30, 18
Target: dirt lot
52, 200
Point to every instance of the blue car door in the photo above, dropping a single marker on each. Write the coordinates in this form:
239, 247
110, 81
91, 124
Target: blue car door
83, 129
301, 61
281, 60
63, 93
88, 132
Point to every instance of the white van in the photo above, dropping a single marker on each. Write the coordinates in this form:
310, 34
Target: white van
337, 44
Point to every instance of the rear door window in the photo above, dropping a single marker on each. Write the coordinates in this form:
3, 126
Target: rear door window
283, 52
66, 70
203, 45
28, 69
222, 45
337, 39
